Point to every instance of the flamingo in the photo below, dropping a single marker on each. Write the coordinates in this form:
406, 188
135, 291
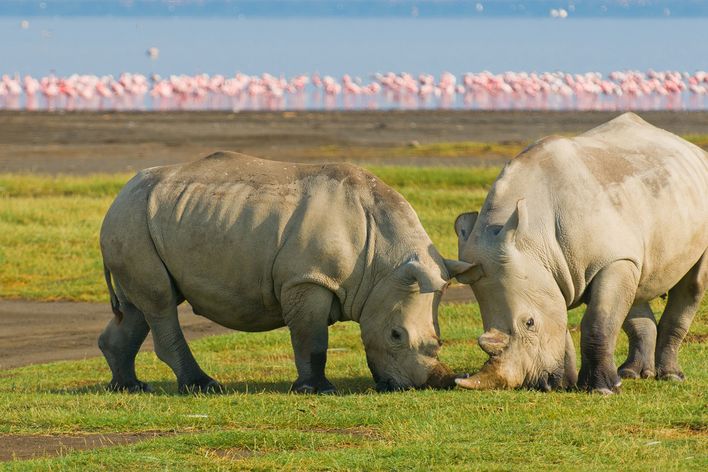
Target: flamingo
536, 90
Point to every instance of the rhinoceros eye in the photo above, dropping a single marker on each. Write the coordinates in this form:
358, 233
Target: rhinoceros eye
396, 335
529, 323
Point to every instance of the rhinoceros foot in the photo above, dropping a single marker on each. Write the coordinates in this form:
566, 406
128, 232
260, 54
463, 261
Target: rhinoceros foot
203, 385
604, 391
320, 387
134, 387
635, 371
600, 379
673, 376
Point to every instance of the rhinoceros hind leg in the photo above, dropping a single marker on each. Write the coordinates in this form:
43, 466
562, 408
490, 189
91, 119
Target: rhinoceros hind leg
148, 287
684, 299
172, 349
120, 343
611, 294
306, 308
640, 326
135, 387
204, 384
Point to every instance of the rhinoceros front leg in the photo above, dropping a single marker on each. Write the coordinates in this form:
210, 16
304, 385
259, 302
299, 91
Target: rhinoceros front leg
684, 299
612, 293
640, 326
306, 310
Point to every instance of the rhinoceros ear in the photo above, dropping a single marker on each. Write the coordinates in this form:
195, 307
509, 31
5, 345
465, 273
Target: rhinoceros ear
464, 272
463, 228
516, 225
428, 281
464, 224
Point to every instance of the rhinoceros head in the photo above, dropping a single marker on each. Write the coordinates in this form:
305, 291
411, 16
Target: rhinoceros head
523, 310
399, 327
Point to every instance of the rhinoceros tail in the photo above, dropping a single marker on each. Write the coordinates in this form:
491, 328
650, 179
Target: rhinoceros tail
115, 304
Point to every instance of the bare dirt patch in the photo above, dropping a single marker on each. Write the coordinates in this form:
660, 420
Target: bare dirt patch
357, 431
33, 446
697, 338
40, 332
233, 453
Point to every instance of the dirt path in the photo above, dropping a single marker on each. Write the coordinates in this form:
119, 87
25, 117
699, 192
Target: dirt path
39, 332
32, 446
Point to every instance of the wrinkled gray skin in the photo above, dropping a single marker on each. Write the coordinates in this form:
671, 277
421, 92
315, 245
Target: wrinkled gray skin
256, 245
611, 218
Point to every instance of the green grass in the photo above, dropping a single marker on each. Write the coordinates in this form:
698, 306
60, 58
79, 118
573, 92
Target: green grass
445, 149
48, 250
49, 225
700, 140
257, 425
414, 149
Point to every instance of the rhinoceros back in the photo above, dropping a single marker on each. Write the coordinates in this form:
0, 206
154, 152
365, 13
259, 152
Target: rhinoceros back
624, 190
232, 229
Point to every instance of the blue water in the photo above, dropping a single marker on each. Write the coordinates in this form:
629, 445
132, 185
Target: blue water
356, 46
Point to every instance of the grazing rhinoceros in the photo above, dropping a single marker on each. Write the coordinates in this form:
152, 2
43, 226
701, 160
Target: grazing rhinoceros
611, 218
255, 245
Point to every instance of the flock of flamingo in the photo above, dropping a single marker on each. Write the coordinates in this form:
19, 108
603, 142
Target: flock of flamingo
618, 90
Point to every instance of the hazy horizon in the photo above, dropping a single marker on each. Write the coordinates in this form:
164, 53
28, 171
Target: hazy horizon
359, 8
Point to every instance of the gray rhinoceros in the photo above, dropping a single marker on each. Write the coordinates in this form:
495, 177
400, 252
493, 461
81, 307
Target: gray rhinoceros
612, 218
256, 245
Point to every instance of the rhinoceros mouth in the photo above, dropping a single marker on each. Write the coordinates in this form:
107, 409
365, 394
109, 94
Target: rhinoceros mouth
548, 380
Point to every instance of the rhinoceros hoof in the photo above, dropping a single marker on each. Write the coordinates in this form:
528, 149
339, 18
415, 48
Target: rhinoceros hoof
134, 387
600, 380
320, 388
206, 385
603, 391
671, 376
631, 373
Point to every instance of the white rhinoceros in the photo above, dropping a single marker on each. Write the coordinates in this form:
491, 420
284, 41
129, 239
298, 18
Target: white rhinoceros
255, 245
612, 218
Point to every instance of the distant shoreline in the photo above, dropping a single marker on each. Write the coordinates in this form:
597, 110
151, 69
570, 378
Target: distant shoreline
354, 9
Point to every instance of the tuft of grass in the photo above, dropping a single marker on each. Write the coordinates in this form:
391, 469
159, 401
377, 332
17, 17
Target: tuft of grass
651, 425
700, 140
38, 185
452, 149
49, 225
446, 149
466, 149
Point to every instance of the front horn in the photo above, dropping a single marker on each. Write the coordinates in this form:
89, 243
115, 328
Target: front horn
485, 379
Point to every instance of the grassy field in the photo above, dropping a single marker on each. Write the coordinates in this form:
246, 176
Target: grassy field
48, 250
451, 149
257, 425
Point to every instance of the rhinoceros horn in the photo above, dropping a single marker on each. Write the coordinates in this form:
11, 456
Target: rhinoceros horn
485, 379
427, 280
493, 342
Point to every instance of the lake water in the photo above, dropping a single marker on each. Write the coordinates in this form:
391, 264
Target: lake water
359, 47
354, 46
